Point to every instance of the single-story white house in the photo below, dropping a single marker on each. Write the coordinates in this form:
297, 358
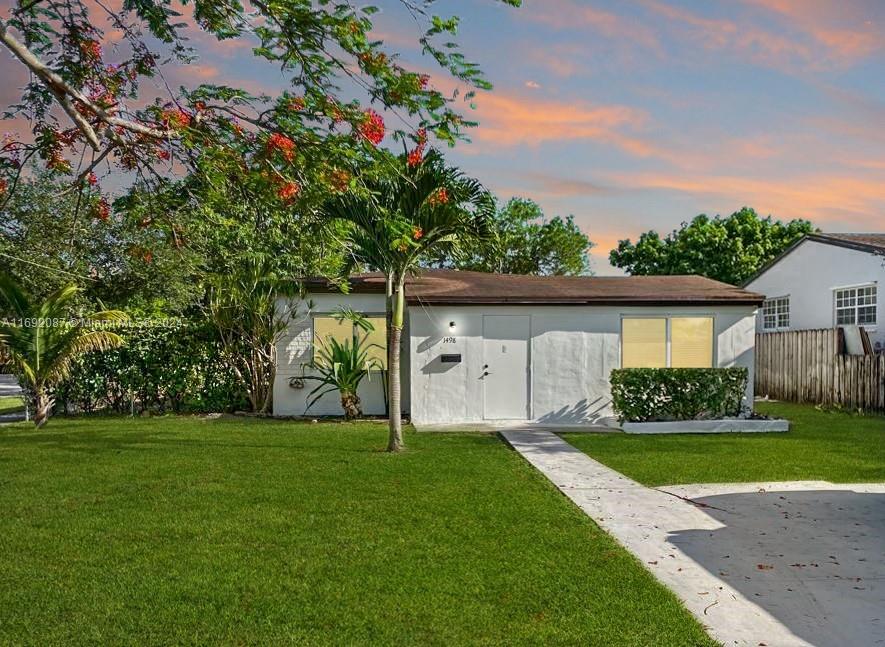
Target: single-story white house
493, 348
825, 281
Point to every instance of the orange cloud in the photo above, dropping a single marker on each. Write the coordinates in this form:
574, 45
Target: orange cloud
823, 198
568, 14
508, 119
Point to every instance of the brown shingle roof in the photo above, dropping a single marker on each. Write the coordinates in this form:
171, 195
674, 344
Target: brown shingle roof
875, 242
465, 288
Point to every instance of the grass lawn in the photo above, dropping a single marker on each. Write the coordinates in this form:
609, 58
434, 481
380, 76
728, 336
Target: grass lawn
827, 446
11, 404
182, 531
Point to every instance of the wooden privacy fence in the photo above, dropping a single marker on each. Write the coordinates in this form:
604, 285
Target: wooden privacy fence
808, 366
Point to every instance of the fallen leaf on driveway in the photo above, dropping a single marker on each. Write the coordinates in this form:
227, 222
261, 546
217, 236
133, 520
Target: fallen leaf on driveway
764, 567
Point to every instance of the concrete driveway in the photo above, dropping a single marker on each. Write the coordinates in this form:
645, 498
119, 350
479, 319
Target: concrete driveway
9, 385
811, 554
757, 564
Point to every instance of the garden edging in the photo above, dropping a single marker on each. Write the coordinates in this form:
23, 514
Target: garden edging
730, 425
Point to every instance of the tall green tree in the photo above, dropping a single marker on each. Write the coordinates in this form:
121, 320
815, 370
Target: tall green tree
414, 209
525, 242
40, 340
728, 249
50, 237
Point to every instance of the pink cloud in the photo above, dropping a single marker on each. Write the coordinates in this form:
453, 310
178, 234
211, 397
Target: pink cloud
824, 198
569, 14
843, 28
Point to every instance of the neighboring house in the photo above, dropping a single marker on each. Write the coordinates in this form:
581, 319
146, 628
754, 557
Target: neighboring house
489, 347
825, 281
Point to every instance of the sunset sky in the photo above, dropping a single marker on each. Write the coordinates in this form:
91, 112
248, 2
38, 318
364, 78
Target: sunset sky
639, 115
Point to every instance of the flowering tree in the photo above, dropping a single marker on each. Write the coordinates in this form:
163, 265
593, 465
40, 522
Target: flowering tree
90, 116
420, 209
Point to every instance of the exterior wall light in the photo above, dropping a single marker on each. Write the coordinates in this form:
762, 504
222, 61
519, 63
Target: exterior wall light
452, 327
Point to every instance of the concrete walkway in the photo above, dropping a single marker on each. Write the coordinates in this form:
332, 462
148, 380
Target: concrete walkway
676, 539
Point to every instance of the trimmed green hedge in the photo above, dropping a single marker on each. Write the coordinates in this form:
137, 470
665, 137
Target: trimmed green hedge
658, 394
159, 368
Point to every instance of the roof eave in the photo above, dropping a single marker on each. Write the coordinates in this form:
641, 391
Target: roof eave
515, 301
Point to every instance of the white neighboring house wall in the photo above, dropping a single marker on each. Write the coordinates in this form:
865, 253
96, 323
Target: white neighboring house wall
811, 273
295, 350
571, 354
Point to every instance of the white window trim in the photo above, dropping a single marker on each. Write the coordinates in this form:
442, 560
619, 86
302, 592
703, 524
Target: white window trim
778, 328
869, 284
667, 317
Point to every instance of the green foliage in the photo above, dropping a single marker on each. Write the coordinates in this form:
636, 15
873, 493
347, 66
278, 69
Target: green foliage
163, 366
326, 53
50, 237
410, 214
728, 249
412, 211
243, 308
342, 366
41, 342
525, 242
650, 394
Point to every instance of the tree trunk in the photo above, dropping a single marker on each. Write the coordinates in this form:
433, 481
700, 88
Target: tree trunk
42, 406
352, 406
395, 440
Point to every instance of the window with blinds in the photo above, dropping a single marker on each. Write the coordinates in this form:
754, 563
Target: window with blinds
644, 343
678, 342
691, 342
375, 342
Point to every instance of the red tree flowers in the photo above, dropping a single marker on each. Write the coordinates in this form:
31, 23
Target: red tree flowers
288, 192
372, 128
281, 143
417, 154
440, 196
102, 209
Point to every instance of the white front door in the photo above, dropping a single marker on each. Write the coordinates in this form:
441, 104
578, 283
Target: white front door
506, 367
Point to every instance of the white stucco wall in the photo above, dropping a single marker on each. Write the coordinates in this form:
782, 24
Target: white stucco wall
572, 351
809, 275
294, 350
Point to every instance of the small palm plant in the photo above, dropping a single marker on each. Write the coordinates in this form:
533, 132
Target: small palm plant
343, 365
40, 340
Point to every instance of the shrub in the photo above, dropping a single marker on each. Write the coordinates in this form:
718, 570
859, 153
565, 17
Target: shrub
164, 368
649, 394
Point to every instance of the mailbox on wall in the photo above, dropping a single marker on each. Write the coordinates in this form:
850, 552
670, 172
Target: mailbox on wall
453, 358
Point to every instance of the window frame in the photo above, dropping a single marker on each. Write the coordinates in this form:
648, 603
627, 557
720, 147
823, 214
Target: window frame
777, 327
667, 316
856, 307
330, 315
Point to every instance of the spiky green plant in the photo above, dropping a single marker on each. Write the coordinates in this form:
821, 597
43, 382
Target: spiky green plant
41, 340
341, 366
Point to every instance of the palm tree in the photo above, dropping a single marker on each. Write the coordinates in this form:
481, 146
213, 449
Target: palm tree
423, 210
41, 340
